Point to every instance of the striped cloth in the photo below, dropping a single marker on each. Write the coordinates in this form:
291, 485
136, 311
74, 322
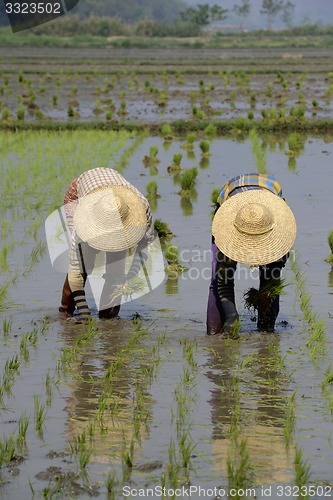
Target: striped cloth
246, 181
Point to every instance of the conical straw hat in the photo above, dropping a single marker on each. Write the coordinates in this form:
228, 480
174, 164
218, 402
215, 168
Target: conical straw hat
254, 227
111, 219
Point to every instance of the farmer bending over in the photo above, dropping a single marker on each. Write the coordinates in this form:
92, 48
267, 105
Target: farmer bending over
252, 225
104, 213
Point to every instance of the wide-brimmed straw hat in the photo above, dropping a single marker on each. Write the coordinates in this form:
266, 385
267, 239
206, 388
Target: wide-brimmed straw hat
254, 227
111, 219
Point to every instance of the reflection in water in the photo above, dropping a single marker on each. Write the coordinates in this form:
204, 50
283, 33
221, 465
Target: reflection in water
190, 155
152, 201
204, 162
186, 206
249, 402
292, 165
106, 388
171, 286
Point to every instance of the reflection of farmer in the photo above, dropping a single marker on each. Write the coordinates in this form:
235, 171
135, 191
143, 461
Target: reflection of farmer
253, 225
104, 213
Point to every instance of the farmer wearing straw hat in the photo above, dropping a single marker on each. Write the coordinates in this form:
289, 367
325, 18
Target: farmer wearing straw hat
104, 213
252, 225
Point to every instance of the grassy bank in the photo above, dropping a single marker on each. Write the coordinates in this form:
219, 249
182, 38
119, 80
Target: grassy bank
255, 39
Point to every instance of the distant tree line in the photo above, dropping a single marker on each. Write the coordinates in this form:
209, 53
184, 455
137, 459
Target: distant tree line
161, 18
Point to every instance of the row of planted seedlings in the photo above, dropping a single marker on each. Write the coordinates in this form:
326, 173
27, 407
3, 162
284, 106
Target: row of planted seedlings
255, 402
284, 95
25, 177
313, 325
121, 409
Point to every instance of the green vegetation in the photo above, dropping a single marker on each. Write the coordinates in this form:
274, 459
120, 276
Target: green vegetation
330, 244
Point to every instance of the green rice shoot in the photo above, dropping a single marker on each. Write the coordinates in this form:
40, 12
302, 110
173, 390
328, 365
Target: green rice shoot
262, 299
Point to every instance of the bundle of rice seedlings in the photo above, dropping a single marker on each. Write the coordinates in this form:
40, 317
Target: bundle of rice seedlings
187, 180
152, 188
162, 229
262, 299
175, 167
151, 159
204, 146
132, 287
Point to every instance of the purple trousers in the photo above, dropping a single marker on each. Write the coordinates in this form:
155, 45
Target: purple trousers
215, 314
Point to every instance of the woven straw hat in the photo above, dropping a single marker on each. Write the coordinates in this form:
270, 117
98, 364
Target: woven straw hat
111, 219
254, 227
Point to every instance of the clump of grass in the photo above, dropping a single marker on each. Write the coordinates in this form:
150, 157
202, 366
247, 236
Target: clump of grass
162, 229
190, 138
167, 132
70, 112
262, 299
151, 159
211, 130
295, 144
152, 188
204, 146
187, 182
5, 114
330, 243
175, 167
20, 114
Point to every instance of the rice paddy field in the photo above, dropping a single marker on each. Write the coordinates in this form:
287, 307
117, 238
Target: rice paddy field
147, 404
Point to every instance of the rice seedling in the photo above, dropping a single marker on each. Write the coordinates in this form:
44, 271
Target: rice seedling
132, 287
7, 450
187, 182
82, 450
175, 167
20, 114
163, 230
5, 114
239, 468
204, 146
111, 482
166, 131
174, 267
295, 144
152, 189
290, 420
330, 244
302, 469
39, 415
23, 425
262, 299
211, 130
6, 327
70, 112
24, 349
152, 158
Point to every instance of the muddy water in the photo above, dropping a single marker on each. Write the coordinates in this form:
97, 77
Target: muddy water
252, 375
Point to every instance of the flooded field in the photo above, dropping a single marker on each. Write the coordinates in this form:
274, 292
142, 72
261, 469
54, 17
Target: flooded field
122, 406
147, 404
154, 86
